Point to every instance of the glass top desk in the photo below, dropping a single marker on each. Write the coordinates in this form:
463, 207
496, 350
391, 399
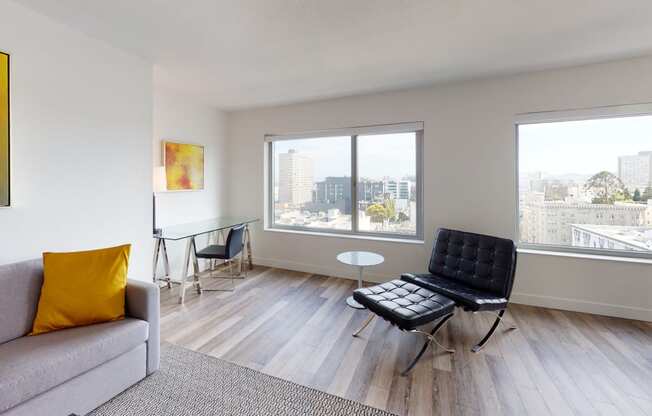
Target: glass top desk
214, 227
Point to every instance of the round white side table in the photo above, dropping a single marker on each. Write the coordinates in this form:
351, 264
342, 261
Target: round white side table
360, 259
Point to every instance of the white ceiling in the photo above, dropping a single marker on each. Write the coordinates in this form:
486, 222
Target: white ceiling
247, 53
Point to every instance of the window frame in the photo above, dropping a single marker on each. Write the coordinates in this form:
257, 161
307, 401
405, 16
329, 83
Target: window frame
352, 133
580, 114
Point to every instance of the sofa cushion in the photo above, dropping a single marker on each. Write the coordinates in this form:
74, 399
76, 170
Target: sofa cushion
82, 288
468, 298
32, 365
21, 286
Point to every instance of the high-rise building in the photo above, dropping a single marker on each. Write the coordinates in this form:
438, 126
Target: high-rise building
635, 171
390, 188
397, 189
404, 190
371, 190
334, 190
295, 177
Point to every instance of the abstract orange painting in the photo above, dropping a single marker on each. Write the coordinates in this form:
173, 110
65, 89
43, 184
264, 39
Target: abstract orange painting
184, 166
4, 130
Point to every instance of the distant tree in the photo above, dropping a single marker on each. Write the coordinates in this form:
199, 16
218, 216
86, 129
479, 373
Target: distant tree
627, 196
390, 209
605, 186
377, 212
637, 195
403, 217
647, 194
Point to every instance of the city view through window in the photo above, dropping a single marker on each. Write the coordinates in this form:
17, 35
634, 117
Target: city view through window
587, 184
312, 183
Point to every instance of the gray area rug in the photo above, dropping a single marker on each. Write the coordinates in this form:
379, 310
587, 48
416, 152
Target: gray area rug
191, 383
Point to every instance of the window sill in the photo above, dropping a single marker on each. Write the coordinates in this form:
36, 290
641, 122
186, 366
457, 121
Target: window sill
348, 236
544, 252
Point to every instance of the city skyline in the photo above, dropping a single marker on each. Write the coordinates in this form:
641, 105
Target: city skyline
559, 148
379, 156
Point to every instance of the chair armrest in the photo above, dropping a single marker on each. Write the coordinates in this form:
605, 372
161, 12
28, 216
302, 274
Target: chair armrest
143, 303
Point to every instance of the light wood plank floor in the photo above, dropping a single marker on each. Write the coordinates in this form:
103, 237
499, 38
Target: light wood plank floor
296, 326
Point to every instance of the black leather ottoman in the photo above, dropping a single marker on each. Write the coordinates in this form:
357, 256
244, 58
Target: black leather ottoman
407, 306
404, 304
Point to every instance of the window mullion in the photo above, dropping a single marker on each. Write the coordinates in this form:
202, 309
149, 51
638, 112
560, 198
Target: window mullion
354, 183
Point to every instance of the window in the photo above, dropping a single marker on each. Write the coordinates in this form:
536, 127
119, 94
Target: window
312, 183
362, 181
585, 181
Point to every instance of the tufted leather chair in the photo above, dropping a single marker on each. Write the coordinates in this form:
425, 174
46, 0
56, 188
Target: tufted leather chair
474, 270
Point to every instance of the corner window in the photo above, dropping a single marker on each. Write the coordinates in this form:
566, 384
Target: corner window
585, 181
359, 181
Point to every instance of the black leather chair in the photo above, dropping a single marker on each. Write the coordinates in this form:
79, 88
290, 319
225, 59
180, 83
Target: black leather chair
476, 271
472, 271
228, 252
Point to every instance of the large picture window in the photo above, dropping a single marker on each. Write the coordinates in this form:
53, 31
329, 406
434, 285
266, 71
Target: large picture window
585, 183
364, 181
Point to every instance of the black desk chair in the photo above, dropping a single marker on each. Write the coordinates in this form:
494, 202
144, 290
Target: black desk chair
228, 252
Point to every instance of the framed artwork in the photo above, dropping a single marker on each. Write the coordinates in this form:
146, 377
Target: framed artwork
184, 166
4, 130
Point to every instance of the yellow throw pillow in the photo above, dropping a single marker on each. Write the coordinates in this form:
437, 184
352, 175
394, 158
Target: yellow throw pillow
82, 288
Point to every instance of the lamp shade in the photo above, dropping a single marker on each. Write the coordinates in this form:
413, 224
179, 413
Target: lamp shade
160, 179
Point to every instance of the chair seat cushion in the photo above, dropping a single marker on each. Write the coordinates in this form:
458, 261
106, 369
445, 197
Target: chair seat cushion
468, 298
212, 252
32, 365
404, 304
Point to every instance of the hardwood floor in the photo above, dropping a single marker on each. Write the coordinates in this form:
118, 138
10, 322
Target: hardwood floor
297, 326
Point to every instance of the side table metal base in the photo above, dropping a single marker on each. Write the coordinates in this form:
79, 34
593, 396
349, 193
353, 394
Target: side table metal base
354, 303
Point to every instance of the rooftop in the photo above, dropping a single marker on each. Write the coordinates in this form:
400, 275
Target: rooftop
638, 237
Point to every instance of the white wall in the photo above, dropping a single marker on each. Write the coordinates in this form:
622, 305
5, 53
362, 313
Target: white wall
182, 119
81, 117
469, 177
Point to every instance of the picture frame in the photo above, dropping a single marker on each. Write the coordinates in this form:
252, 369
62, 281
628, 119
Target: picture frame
184, 165
5, 136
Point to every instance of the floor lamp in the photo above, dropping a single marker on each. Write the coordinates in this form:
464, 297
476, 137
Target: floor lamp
160, 185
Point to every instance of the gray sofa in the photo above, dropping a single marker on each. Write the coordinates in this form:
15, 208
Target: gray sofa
71, 370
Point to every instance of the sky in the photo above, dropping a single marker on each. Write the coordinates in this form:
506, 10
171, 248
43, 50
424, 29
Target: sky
582, 147
380, 155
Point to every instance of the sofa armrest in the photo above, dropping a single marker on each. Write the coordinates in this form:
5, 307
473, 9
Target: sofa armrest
143, 303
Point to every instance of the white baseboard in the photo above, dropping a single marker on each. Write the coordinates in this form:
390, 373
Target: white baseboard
576, 305
336, 270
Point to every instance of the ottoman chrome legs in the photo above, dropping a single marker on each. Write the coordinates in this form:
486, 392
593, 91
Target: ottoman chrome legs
430, 337
499, 320
365, 324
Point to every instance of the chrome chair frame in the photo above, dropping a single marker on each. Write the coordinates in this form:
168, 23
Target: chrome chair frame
214, 267
231, 275
499, 320
430, 337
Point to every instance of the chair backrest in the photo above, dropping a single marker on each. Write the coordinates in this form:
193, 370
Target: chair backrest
478, 261
234, 241
21, 287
